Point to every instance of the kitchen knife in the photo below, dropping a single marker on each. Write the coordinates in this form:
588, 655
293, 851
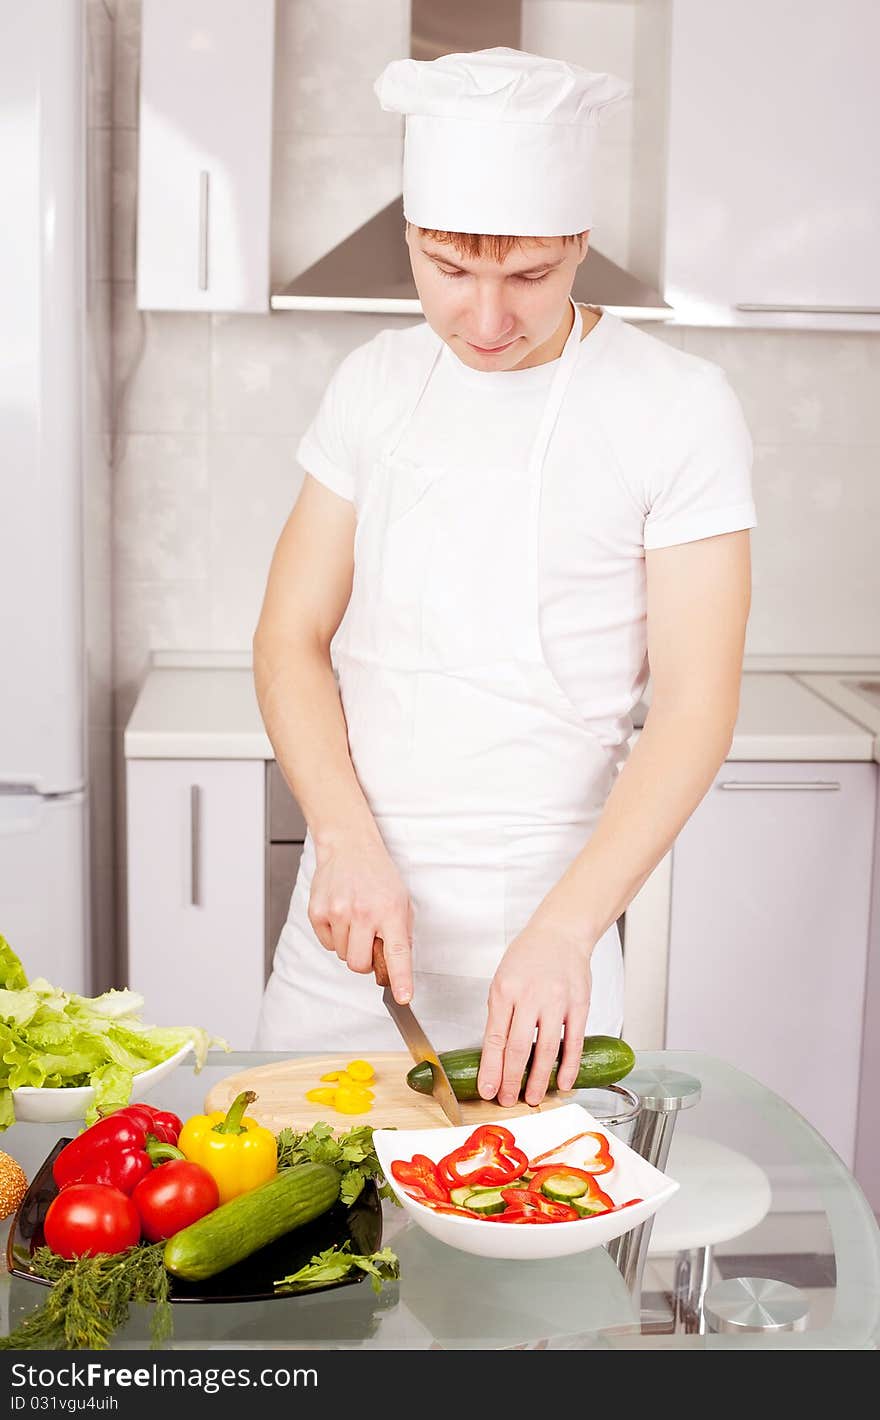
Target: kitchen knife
418, 1044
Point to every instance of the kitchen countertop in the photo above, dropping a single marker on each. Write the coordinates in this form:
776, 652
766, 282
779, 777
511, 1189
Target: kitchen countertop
843, 691
205, 707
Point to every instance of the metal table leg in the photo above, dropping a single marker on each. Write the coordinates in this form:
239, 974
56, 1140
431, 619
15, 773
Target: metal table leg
662, 1094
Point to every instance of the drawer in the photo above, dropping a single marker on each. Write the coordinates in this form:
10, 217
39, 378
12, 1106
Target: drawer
284, 819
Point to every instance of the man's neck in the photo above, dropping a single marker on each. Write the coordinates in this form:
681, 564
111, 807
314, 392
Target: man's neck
552, 348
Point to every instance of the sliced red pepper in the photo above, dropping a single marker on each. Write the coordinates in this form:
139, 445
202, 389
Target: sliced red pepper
600, 1162
594, 1193
421, 1174
488, 1156
518, 1215
440, 1207
523, 1200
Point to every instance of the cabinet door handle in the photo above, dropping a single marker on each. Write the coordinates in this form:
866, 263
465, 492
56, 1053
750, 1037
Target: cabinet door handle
203, 231
820, 785
195, 845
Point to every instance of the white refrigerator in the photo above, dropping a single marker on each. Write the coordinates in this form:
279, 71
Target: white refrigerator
44, 906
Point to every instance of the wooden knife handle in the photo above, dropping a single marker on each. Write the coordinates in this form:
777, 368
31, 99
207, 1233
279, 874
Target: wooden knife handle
380, 970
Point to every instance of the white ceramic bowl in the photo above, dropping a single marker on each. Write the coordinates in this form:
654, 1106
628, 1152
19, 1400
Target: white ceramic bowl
535, 1133
36, 1105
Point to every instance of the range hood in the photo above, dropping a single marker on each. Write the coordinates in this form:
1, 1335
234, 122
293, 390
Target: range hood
370, 271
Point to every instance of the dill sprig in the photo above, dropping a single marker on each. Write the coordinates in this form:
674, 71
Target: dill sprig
90, 1299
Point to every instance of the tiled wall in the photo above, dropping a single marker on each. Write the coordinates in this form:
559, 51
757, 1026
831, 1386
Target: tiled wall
209, 409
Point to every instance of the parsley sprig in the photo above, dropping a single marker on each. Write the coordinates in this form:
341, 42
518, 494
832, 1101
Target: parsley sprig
351, 1153
337, 1262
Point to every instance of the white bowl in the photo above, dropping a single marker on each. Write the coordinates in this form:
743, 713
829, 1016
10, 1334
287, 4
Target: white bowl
34, 1104
631, 1177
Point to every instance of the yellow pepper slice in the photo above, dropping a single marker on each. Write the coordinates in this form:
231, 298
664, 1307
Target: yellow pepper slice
360, 1070
322, 1095
335, 1075
238, 1152
353, 1099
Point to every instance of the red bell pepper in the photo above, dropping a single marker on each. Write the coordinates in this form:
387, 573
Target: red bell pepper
119, 1150
599, 1162
536, 1207
488, 1156
420, 1177
439, 1207
161, 1123
594, 1193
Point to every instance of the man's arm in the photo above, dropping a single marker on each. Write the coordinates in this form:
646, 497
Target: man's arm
698, 605
356, 891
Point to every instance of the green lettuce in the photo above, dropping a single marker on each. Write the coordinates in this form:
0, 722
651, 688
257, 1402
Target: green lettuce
56, 1039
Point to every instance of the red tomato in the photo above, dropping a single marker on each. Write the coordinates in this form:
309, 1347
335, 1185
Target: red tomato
91, 1217
173, 1196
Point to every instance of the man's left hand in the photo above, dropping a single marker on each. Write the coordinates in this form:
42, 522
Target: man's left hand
543, 983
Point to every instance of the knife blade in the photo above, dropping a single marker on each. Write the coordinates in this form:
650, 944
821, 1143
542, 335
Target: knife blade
417, 1043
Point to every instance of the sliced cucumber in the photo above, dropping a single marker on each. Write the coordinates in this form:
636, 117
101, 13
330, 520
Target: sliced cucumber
486, 1200
563, 1188
587, 1209
459, 1196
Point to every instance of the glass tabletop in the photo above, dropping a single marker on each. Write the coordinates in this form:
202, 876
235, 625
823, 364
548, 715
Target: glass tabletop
818, 1235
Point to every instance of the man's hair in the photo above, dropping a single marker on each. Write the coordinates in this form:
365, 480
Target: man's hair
474, 247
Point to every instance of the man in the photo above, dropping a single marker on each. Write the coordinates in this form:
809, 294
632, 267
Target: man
510, 512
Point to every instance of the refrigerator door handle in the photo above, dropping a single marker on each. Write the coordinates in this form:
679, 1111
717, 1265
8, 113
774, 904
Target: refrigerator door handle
195, 845
204, 197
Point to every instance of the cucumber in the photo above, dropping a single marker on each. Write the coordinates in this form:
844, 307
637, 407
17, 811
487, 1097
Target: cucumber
459, 1195
587, 1209
564, 1189
251, 1220
604, 1059
486, 1200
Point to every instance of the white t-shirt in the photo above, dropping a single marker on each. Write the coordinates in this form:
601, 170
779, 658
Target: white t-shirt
650, 449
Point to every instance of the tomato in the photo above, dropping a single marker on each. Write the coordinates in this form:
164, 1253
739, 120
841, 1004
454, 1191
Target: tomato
173, 1196
91, 1218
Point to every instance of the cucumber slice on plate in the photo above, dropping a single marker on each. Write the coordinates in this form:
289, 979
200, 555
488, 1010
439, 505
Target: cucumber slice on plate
562, 1188
486, 1200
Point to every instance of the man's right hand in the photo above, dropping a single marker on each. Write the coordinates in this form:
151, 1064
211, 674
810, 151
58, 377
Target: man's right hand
357, 895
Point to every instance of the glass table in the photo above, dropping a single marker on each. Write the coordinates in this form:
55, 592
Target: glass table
819, 1233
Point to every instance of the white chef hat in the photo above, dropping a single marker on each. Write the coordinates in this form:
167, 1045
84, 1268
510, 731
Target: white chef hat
498, 141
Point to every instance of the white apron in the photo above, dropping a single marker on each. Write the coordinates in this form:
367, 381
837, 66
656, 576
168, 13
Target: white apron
482, 775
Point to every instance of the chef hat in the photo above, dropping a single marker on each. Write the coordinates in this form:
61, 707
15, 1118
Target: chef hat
498, 141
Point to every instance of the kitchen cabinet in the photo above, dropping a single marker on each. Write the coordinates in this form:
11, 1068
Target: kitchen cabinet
772, 202
196, 892
284, 846
771, 886
205, 155
867, 1166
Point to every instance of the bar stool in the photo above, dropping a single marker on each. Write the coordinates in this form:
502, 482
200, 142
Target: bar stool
722, 1195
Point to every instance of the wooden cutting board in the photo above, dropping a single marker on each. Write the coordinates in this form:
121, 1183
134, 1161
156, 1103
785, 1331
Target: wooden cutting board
281, 1096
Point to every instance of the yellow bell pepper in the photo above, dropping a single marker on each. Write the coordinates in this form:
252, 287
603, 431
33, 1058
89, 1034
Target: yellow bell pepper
238, 1152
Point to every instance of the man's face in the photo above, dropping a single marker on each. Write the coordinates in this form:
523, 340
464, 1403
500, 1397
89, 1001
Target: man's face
495, 315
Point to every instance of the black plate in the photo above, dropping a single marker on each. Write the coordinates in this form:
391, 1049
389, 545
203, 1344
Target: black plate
252, 1280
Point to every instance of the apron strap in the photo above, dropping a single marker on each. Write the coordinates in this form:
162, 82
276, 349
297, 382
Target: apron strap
412, 406
558, 391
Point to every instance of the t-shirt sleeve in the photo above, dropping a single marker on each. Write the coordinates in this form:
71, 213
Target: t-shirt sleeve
702, 484
329, 449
